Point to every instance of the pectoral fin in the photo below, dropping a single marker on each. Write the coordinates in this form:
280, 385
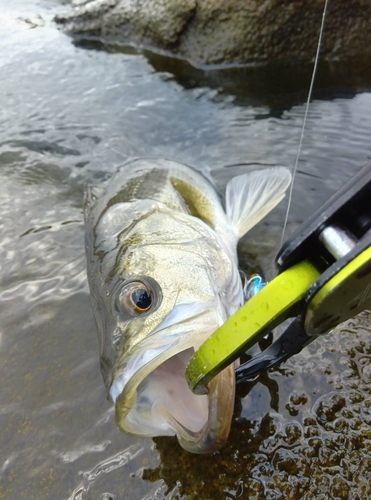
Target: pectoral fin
250, 197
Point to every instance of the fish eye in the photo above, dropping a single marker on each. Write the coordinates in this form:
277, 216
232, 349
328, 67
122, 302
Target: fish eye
135, 297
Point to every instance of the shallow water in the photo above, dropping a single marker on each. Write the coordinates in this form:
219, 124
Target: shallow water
70, 114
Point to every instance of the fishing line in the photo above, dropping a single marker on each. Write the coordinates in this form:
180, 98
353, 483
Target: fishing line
305, 119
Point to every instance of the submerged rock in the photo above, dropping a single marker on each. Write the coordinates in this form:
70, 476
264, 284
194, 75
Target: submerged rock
227, 31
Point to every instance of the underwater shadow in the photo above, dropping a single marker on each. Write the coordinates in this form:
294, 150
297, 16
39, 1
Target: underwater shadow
276, 86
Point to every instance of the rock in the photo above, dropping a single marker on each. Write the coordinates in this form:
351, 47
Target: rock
146, 22
227, 31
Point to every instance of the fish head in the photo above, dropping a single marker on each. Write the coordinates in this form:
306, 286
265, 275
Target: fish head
163, 276
165, 301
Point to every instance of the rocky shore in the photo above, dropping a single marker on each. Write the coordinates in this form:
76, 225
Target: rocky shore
227, 31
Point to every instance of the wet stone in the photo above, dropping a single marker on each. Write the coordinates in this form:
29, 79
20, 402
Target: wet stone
285, 460
340, 425
355, 397
339, 489
309, 421
292, 410
354, 457
348, 414
323, 483
355, 424
326, 409
312, 431
330, 458
298, 399
255, 489
293, 433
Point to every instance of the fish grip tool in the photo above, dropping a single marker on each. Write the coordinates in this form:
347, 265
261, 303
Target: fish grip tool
324, 279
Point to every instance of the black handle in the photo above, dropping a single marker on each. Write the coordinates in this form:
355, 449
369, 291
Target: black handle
292, 341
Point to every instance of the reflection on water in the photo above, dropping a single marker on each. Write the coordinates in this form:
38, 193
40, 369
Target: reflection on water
70, 116
277, 87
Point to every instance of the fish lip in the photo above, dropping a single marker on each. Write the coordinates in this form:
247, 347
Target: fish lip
213, 435
215, 432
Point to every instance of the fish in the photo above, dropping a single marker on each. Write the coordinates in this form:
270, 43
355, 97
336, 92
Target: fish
162, 265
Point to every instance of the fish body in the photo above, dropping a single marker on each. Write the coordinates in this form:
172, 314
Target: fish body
163, 275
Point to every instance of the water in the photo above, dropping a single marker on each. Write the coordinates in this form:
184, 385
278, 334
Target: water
70, 114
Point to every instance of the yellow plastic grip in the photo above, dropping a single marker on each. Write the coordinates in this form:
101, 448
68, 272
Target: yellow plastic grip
346, 294
277, 301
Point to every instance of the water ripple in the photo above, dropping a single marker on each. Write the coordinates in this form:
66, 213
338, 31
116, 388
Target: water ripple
105, 467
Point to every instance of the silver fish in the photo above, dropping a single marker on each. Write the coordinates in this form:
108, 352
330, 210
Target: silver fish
163, 276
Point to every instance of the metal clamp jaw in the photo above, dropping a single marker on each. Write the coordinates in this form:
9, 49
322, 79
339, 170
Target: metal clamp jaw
324, 279
337, 240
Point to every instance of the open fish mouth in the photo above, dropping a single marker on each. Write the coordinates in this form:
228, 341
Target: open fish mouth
152, 398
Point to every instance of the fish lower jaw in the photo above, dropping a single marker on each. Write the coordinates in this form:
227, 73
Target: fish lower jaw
163, 405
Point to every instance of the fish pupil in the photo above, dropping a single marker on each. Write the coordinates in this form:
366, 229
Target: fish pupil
141, 298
